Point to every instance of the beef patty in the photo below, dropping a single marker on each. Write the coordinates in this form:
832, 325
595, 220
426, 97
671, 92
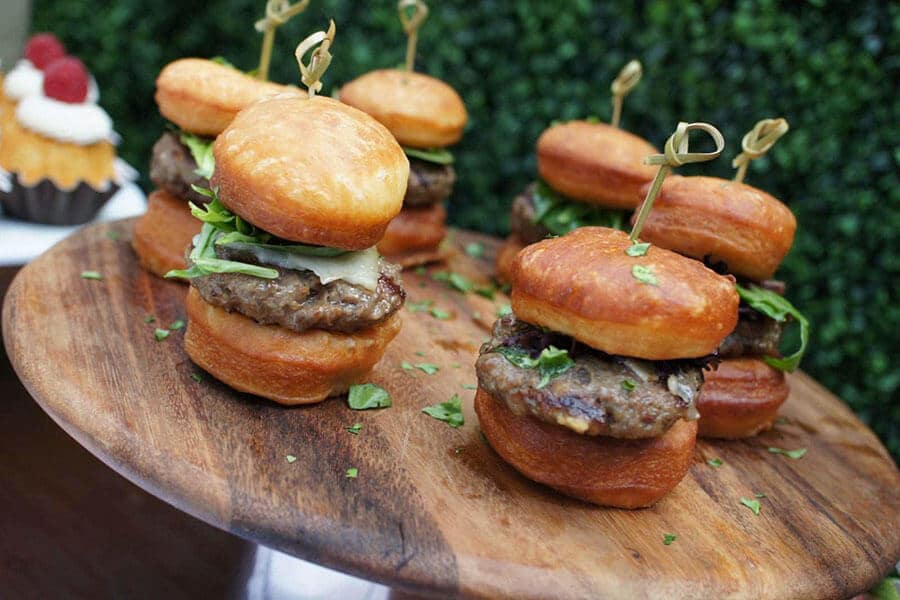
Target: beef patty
521, 218
298, 301
600, 395
755, 335
172, 169
429, 183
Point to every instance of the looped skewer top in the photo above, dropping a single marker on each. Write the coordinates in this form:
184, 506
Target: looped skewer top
411, 24
278, 12
757, 142
318, 60
624, 82
674, 155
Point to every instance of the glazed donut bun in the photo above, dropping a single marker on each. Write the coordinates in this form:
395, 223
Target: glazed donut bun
602, 470
728, 221
202, 96
421, 111
595, 163
162, 235
312, 171
740, 399
506, 256
414, 236
584, 285
277, 363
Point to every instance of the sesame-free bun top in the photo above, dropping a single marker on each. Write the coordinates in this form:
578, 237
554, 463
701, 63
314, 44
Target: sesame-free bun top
595, 163
421, 111
725, 220
583, 285
311, 170
202, 96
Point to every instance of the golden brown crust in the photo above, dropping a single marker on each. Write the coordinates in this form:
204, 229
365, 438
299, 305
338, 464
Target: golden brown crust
582, 285
602, 470
740, 399
202, 96
414, 236
506, 256
595, 163
162, 234
729, 221
313, 171
279, 364
421, 111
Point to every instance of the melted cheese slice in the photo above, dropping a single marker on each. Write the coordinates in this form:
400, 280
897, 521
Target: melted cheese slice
359, 268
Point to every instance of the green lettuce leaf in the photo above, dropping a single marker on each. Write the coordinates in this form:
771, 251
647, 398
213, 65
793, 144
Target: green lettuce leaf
561, 215
201, 150
777, 307
438, 156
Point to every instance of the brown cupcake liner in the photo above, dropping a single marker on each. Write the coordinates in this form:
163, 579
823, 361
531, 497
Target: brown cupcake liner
46, 203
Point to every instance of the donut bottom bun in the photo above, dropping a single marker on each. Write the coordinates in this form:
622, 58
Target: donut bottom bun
162, 235
740, 399
601, 470
276, 363
506, 255
414, 236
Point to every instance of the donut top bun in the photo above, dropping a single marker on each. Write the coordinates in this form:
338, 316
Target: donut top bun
725, 220
312, 171
421, 111
202, 97
583, 285
595, 163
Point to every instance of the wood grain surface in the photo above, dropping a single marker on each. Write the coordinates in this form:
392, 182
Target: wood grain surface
433, 508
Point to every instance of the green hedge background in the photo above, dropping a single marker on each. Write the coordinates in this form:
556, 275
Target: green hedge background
832, 71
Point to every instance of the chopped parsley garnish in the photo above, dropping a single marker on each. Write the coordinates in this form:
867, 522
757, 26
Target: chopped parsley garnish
91, 275
161, 334
364, 396
290, 458
201, 151
628, 385
644, 274
777, 307
454, 281
438, 156
419, 306
419, 353
504, 310
637, 249
561, 215
795, 454
406, 366
420, 270
427, 368
351, 473
469, 386
486, 291
759, 495
440, 314
149, 319
475, 249
455, 366
176, 325
450, 412
715, 463
669, 538
751, 504
196, 377
355, 428
551, 363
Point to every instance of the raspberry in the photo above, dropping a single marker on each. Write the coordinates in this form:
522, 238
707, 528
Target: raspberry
66, 79
42, 49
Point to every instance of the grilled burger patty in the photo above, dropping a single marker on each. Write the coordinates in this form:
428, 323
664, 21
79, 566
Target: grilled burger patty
755, 335
172, 169
298, 301
521, 218
590, 398
429, 183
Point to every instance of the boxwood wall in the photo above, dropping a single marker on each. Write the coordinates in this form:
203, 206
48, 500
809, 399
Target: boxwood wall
832, 71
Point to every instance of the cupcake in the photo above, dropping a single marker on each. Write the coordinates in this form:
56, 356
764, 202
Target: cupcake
56, 153
27, 77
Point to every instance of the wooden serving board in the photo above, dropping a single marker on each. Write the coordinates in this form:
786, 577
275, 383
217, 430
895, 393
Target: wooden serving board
433, 508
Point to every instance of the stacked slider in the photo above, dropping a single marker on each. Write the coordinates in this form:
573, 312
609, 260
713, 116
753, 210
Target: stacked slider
200, 97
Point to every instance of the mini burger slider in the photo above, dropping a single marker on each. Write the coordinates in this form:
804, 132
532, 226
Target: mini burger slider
425, 115
591, 173
200, 97
741, 230
289, 298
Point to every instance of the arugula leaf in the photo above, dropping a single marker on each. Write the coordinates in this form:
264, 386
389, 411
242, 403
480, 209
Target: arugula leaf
355, 428
406, 366
95, 275
419, 306
449, 412
290, 458
454, 281
637, 249
551, 363
438, 156
777, 307
351, 473
886, 589
364, 396
753, 505
439, 314
644, 274
427, 368
176, 325
161, 334
715, 463
221, 60
628, 385
201, 150
795, 454
561, 215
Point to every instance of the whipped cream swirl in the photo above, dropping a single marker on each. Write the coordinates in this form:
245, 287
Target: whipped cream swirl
80, 124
